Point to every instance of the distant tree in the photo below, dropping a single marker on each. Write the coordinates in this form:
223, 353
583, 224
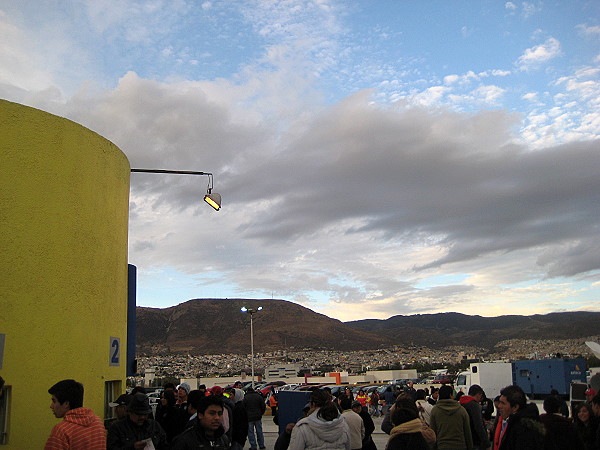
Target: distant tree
458, 367
422, 367
161, 381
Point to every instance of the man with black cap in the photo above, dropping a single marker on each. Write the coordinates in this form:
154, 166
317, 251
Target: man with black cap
136, 430
120, 405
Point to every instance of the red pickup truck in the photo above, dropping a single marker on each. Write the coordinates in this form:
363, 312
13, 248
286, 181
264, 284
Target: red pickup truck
444, 379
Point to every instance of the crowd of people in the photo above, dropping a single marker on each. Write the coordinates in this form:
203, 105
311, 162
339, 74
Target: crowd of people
444, 419
227, 418
216, 418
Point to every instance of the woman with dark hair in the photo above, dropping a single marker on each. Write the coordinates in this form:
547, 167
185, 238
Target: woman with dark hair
169, 416
586, 424
406, 435
406, 402
324, 427
348, 393
423, 406
402, 401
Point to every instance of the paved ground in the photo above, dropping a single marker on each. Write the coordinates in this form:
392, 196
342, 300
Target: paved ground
270, 431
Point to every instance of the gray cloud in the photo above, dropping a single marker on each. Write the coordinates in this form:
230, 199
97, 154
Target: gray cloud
366, 200
303, 201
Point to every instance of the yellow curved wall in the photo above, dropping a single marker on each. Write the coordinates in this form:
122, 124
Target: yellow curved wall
64, 193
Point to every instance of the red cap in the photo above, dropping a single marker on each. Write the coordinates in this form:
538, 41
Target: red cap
216, 390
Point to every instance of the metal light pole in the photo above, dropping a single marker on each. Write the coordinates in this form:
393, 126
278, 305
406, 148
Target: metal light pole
212, 198
251, 312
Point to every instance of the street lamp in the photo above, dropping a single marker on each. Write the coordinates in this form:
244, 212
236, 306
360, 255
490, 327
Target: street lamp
213, 199
251, 312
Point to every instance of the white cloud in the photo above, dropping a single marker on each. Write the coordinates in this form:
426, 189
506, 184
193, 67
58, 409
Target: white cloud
451, 79
531, 96
510, 6
539, 54
431, 95
500, 73
22, 67
489, 94
466, 31
584, 84
586, 30
529, 9
465, 78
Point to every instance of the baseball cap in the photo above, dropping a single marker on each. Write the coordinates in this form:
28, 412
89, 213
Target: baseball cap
122, 400
216, 390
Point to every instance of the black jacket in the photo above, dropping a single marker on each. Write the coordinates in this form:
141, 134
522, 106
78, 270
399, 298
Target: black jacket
524, 431
195, 438
240, 423
478, 432
172, 420
407, 441
367, 443
587, 433
255, 405
561, 433
123, 433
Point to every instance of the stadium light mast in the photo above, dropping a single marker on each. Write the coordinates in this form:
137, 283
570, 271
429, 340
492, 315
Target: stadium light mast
251, 312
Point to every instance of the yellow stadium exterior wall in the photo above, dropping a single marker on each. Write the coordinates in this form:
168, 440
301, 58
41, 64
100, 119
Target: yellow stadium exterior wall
64, 194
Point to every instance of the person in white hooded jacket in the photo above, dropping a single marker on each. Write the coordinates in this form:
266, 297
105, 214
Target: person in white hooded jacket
323, 428
423, 406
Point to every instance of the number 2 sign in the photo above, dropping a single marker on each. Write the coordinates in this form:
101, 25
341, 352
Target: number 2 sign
114, 355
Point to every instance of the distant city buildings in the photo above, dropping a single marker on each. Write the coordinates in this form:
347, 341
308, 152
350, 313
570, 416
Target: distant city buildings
278, 371
282, 364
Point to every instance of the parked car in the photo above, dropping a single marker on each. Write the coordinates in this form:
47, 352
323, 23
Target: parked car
359, 387
444, 379
381, 389
427, 380
273, 385
257, 386
336, 388
311, 387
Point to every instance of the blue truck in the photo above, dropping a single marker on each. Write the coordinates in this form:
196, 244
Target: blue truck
539, 377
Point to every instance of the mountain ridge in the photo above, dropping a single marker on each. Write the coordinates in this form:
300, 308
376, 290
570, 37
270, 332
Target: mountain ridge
209, 326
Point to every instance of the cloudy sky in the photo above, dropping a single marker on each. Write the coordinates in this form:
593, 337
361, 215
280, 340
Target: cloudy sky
374, 157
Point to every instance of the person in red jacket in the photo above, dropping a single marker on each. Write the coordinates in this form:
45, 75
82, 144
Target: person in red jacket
362, 398
80, 428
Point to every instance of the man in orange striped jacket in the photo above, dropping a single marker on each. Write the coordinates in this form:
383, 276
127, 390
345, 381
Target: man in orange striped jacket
80, 429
